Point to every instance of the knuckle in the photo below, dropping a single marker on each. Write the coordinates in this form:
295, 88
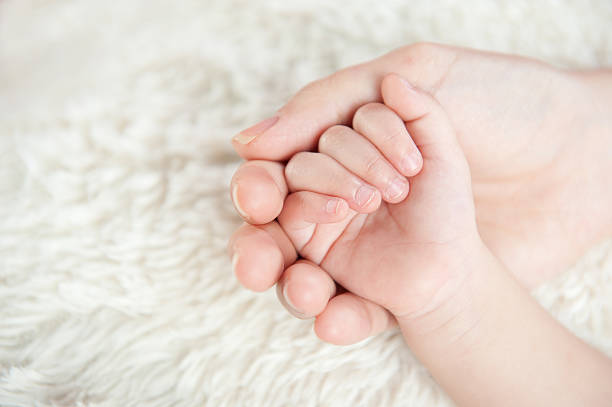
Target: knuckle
335, 81
374, 166
394, 138
344, 77
294, 204
417, 53
312, 87
311, 91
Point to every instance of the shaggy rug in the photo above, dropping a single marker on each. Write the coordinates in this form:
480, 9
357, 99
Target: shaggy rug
115, 120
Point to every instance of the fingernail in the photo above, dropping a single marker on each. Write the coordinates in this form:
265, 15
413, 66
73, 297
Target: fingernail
411, 164
234, 261
236, 202
289, 303
248, 135
364, 195
334, 205
397, 188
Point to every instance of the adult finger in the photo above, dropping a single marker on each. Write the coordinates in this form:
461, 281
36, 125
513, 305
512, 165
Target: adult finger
349, 319
357, 154
387, 131
305, 289
320, 173
260, 254
334, 99
258, 189
425, 118
304, 210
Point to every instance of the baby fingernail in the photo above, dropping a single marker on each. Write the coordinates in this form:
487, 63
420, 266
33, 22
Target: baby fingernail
397, 188
248, 135
411, 164
334, 205
364, 195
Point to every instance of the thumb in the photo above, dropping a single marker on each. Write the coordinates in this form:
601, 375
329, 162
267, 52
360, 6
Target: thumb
426, 120
321, 104
333, 100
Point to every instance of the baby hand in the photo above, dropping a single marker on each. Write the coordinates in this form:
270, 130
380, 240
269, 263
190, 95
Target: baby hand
349, 211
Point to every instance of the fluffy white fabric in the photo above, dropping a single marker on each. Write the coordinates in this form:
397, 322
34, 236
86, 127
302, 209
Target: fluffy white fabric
115, 117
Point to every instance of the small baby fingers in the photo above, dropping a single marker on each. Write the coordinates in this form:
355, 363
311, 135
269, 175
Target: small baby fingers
387, 131
307, 213
304, 208
363, 159
320, 173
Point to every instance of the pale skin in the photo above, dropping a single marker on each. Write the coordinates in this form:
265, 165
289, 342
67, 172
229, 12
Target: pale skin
524, 212
422, 258
381, 251
421, 299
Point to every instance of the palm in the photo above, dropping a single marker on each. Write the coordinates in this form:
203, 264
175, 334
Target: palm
369, 256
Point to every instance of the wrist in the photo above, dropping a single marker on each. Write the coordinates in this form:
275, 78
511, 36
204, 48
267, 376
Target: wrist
492, 341
450, 321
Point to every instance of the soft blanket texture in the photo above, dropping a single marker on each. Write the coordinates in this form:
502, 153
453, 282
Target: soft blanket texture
115, 117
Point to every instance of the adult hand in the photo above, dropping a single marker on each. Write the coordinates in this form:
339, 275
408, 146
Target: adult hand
530, 135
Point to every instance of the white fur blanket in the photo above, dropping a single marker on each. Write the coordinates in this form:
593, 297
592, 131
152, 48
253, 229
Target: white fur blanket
115, 117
